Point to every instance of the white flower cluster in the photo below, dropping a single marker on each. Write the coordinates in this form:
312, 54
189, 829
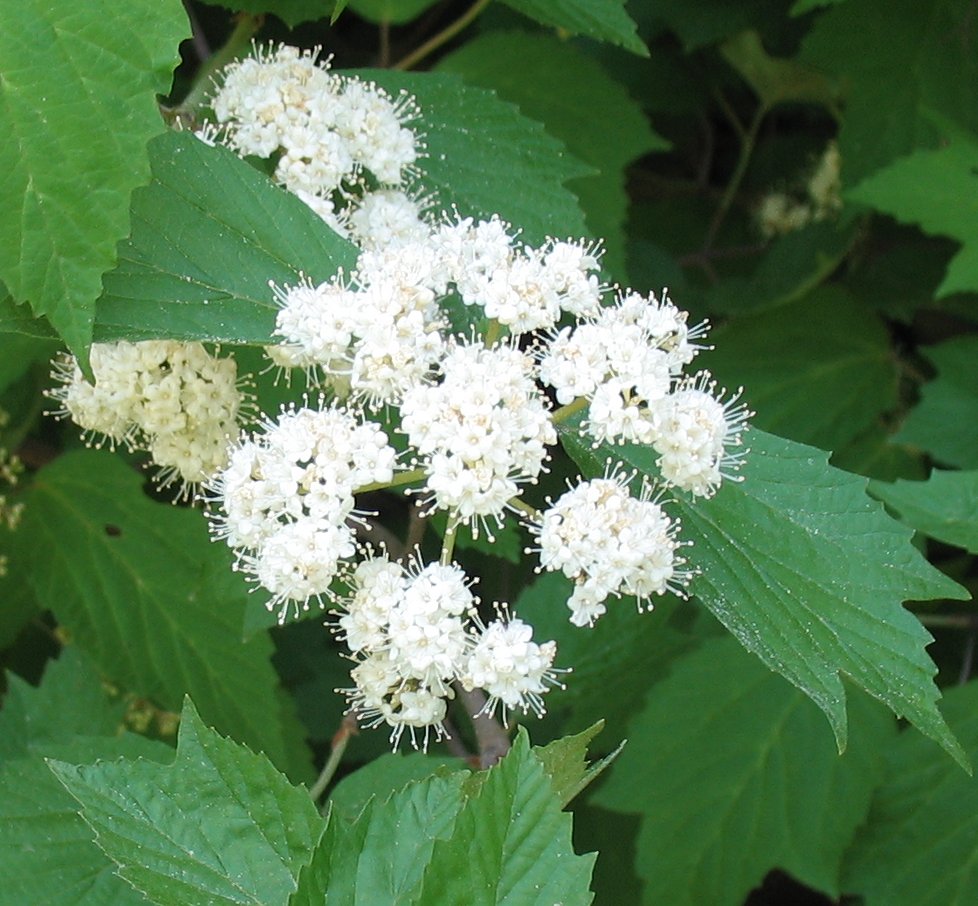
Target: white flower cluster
475, 404
287, 497
344, 146
173, 399
609, 542
414, 632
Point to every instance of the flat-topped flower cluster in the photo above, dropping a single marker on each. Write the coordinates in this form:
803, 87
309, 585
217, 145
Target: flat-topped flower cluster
465, 348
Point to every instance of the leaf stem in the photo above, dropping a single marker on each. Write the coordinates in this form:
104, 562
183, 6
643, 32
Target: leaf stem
340, 739
491, 735
443, 37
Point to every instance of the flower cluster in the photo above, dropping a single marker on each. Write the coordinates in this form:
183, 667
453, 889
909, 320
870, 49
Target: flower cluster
173, 399
780, 213
414, 632
10, 471
474, 346
287, 497
609, 542
344, 146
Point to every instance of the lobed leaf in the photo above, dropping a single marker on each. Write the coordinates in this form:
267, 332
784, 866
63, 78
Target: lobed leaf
902, 61
808, 573
219, 825
945, 421
939, 191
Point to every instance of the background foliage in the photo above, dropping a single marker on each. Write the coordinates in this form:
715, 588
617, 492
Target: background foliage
661, 127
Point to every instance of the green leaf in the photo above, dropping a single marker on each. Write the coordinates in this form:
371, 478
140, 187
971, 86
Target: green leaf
774, 80
791, 267
821, 372
603, 20
945, 421
70, 702
208, 234
902, 60
16, 319
141, 588
485, 158
939, 191
557, 85
47, 853
920, 844
511, 843
745, 780
383, 776
944, 507
565, 760
219, 825
709, 21
808, 573
381, 857
291, 12
614, 663
391, 12
78, 86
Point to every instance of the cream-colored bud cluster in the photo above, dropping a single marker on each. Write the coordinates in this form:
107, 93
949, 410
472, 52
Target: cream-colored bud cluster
175, 400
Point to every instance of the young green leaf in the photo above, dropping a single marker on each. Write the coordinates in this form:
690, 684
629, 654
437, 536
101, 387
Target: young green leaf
511, 843
381, 856
808, 573
919, 846
78, 86
142, 589
741, 778
565, 760
209, 233
219, 825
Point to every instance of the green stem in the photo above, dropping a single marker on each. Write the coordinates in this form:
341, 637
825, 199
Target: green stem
492, 333
338, 747
748, 139
443, 37
521, 505
396, 481
949, 620
203, 85
448, 545
568, 411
